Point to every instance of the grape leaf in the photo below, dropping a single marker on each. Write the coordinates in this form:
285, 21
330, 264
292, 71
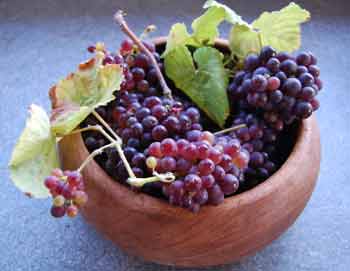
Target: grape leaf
281, 29
75, 97
34, 155
205, 27
178, 35
206, 85
244, 40
230, 15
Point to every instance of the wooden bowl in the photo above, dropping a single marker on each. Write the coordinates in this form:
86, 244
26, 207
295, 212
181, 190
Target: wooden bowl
156, 231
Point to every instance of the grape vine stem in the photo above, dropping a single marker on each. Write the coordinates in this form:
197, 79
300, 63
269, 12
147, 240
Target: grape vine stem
119, 18
139, 182
234, 128
95, 153
119, 142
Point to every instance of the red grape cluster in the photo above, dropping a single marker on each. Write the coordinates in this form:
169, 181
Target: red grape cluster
282, 86
139, 74
206, 168
67, 190
163, 135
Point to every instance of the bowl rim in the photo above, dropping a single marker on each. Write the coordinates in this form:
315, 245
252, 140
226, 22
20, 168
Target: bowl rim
143, 202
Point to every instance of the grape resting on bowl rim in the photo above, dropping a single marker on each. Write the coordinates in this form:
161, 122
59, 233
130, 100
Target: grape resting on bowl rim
184, 122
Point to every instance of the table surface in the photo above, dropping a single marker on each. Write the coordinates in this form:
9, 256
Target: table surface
41, 41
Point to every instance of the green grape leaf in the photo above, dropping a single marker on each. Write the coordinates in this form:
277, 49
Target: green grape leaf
230, 15
205, 27
75, 97
244, 40
34, 155
178, 35
281, 29
206, 85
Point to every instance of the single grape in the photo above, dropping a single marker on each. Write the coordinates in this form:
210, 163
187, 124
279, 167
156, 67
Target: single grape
193, 135
193, 183
303, 59
193, 114
208, 137
142, 86
208, 181
138, 74
126, 47
141, 61
292, 87
241, 160
273, 83
215, 155
159, 111
266, 53
206, 167
190, 152
256, 159
58, 211
58, 201
215, 195
258, 83
72, 211
306, 79
273, 64
159, 132
168, 147
218, 173
138, 160
155, 150
51, 182
57, 172
149, 122
229, 184
167, 164
80, 198
232, 147
303, 109
251, 62
183, 166
74, 178
289, 67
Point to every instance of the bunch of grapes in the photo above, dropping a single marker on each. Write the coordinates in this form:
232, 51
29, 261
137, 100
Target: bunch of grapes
206, 168
67, 190
282, 86
260, 140
162, 135
139, 74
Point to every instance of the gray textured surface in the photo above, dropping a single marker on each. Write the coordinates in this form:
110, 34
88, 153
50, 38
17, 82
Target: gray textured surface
41, 41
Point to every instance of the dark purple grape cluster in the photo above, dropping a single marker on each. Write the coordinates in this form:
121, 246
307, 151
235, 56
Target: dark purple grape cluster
67, 191
260, 140
206, 168
282, 86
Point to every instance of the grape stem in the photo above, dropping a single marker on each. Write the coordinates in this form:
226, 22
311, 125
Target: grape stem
118, 140
95, 153
233, 128
139, 182
119, 18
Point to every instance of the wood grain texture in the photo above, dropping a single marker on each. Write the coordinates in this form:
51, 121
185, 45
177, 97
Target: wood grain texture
156, 231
